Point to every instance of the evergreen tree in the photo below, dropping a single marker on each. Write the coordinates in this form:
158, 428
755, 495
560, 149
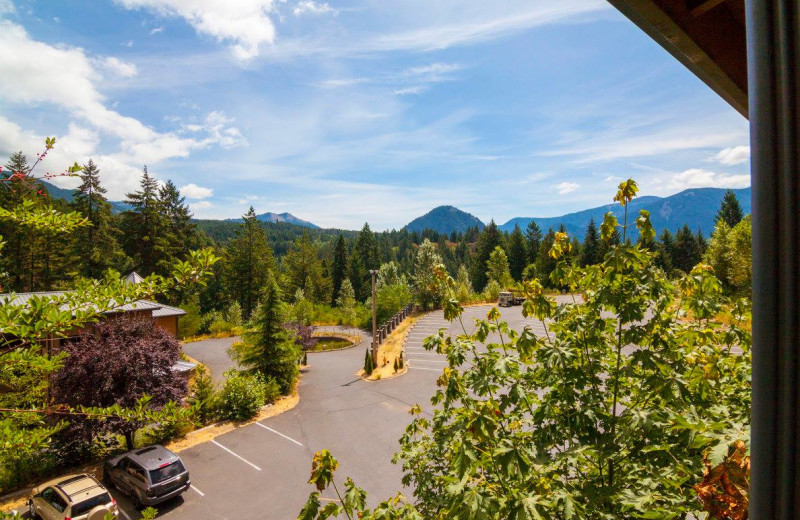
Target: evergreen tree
702, 243
144, 227
250, 262
591, 246
13, 192
304, 270
517, 254
665, 251
180, 233
545, 264
339, 267
271, 349
533, 234
606, 245
687, 250
487, 241
730, 210
365, 258
95, 248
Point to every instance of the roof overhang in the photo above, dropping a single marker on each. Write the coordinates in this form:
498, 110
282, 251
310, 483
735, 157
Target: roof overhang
706, 36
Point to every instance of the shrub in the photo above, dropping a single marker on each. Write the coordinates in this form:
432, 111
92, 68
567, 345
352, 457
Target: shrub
367, 363
242, 396
190, 324
204, 398
492, 291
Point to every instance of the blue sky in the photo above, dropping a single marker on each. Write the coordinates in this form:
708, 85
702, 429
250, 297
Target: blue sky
342, 112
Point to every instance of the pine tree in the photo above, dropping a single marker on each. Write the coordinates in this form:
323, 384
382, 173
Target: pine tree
180, 233
338, 268
271, 349
687, 250
487, 241
665, 251
533, 234
304, 270
517, 254
144, 227
365, 258
250, 263
730, 210
13, 193
591, 245
96, 247
545, 264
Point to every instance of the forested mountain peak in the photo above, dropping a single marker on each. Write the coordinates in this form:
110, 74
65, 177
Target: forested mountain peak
445, 219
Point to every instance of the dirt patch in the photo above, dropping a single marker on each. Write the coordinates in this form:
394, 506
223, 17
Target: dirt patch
391, 349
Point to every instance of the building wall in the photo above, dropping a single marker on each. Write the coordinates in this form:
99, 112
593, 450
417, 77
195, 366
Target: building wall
168, 323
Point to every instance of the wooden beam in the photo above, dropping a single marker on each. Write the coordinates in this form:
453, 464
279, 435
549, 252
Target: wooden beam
698, 7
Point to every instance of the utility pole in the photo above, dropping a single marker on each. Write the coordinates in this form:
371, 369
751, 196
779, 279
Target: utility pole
374, 272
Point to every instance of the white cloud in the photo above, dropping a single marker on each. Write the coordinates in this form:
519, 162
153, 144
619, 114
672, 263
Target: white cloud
416, 89
193, 191
699, 178
128, 43
343, 82
311, 7
434, 69
156, 30
203, 204
245, 24
567, 187
216, 125
733, 155
118, 67
613, 178
6, 7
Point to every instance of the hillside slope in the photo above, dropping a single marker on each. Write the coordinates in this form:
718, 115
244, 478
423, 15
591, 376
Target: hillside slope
445, 219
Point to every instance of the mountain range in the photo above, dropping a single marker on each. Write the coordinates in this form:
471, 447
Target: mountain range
279, 217
694, 207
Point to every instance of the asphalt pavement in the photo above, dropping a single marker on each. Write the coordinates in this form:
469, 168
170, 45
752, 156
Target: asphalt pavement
260, 471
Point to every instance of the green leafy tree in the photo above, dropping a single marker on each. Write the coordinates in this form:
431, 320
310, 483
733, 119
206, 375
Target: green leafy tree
487, 241
463, 289
96, 248
741, 256
730, 210
497, 268
347, 303
517, 254
591, 246
425, 268
270, 349
250, 262
338, 268
576, 423
304, 270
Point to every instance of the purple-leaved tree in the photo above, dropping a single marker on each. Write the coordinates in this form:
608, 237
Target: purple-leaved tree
123, 359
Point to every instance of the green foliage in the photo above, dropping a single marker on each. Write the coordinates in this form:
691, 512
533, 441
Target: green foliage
591, 253
612, 413
347, 304
242, 396
463, 287
517, 254
338, 268
304, 271
390, 299
203, 397
730, 254
249, 264
149, 513
426, 287
270, 349
368, 365
497, 268
730, 210
488, 240
492, 291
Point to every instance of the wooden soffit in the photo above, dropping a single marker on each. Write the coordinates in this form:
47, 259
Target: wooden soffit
707, 36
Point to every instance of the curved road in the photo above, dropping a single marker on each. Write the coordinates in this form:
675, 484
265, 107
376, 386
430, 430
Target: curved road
261, 471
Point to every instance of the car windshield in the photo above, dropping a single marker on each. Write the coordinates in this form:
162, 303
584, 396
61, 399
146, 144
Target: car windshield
81, 508
166, 472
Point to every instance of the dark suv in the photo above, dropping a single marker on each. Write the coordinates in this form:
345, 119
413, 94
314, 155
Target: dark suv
148, 475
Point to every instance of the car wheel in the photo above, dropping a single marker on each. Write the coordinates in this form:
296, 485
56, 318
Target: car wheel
137, 500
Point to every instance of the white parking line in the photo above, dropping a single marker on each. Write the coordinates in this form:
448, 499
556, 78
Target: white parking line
423, 368
425, 353
235, 455
279, 433
123, 513
428, 360
197, 490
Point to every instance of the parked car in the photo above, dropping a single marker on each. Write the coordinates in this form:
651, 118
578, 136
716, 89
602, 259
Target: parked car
76, 497
148, 475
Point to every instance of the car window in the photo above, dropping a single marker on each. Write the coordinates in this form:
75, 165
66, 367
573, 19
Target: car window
137, 472
166, 472
54, 499
123, 464
84, 507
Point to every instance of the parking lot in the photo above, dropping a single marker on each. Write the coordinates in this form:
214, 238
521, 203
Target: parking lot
261, 470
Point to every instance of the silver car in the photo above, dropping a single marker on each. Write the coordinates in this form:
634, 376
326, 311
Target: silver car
148, 475
76, 497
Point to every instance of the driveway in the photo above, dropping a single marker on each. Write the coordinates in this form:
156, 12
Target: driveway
214, 354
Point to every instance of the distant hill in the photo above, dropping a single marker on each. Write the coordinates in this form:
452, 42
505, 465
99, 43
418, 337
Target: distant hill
695, 207
445, 219
67, 195
279, 217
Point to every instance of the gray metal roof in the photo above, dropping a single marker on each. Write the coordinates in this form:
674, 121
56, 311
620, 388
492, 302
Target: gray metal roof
183, 367
158, 310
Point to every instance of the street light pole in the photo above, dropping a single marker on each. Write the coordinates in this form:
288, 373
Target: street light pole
374, 272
